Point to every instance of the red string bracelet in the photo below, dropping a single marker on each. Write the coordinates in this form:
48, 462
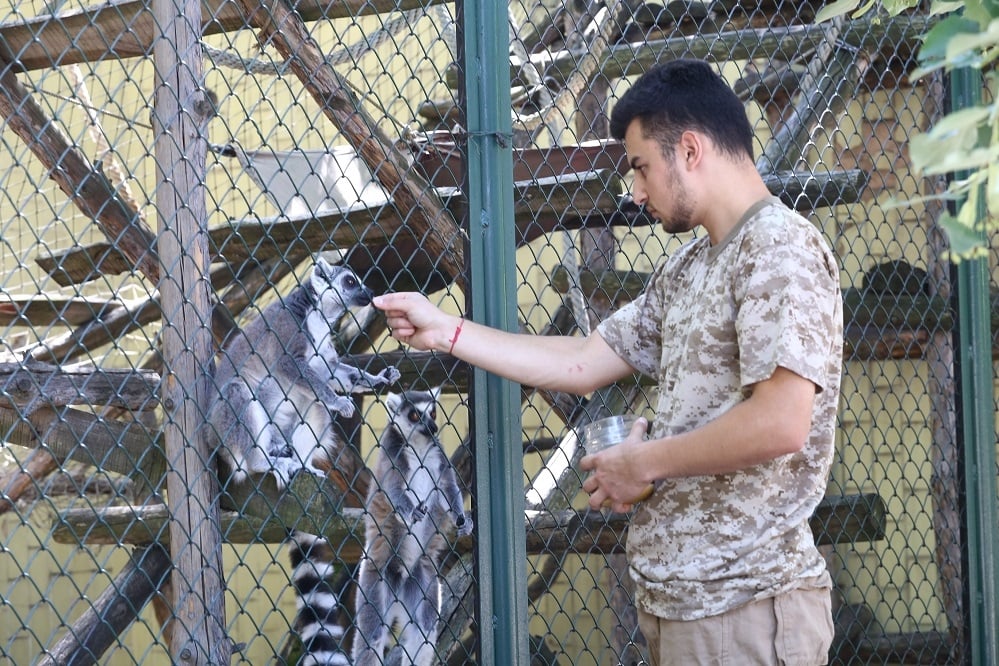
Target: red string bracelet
457, 332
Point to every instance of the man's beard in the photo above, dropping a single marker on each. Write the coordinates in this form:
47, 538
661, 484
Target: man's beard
680, 218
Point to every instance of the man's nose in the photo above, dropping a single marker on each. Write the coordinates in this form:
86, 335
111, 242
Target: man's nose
638, 195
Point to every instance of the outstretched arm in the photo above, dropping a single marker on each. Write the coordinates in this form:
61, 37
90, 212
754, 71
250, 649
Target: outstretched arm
560, 363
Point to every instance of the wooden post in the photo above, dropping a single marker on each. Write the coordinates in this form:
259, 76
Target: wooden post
180, 110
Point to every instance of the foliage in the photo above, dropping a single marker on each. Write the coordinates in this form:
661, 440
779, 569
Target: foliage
966, 141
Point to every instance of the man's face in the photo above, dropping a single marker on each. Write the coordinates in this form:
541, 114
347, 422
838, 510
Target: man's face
658, 182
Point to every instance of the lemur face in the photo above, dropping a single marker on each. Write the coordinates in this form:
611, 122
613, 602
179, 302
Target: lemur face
339, 290
414, 412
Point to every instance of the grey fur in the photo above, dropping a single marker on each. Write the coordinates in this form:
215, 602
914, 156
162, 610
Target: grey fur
414, 498
280, 380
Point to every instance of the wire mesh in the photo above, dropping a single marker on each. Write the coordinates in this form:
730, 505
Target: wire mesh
337, 133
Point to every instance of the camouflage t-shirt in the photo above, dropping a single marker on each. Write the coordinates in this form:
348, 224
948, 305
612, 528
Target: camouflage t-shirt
713, 321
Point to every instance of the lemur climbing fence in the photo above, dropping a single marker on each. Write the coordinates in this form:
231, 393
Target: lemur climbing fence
162, 180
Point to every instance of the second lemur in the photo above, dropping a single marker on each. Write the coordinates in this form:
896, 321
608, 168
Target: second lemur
413, 500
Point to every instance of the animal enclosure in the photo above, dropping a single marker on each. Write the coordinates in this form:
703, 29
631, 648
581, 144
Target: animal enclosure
164, 180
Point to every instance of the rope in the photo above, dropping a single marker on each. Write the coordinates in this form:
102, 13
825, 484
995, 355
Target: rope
351, 54
112, 169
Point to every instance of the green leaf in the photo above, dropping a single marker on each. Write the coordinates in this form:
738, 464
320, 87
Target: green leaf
940, 7
947, 161
834, 9
959, 122
965, 242
934, 48
896, 7
964, 48
981, 11
958, 141
992, 188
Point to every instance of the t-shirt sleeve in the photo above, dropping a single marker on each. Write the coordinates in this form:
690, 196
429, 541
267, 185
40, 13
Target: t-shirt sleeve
789, 306
634, 331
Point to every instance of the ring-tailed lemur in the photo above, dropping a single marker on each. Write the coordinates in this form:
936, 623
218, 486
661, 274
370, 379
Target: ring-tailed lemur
280, 380
413, 499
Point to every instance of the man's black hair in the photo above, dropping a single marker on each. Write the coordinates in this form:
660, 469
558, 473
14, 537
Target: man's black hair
682, 95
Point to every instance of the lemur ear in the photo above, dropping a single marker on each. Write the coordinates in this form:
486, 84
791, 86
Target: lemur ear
393, 400
435, 393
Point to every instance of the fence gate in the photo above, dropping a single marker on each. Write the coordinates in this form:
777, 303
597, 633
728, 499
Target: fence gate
171, 192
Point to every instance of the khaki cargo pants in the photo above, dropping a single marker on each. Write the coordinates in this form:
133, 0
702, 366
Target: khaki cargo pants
793, 629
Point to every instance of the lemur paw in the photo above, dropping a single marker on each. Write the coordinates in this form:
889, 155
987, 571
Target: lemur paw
283, 469
342, 405
389, 375
463, 523
419, 512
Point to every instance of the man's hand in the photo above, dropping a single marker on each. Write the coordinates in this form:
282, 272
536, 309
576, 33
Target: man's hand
415, 321
616, 479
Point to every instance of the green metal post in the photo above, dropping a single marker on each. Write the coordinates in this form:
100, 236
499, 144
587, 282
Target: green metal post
977, 413
502, 548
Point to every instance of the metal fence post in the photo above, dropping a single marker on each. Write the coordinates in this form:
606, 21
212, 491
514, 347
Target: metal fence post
502, 566
976, 425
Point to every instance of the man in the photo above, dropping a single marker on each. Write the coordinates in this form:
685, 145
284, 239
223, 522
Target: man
742, 328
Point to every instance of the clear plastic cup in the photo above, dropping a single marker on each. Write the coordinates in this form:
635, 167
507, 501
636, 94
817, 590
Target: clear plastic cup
611, 431
602, 433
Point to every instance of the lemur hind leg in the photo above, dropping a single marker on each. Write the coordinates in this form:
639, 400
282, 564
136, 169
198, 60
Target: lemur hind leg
248, 442
372, 619
418, 637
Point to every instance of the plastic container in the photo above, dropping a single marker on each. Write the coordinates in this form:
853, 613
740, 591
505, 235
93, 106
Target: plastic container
610, 431
598, 435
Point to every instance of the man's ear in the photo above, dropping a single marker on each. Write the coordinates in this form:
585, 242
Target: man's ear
690, 149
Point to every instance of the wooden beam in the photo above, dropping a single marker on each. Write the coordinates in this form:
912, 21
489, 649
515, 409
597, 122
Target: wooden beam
837, 519
126, 29
545, 205
443, 241
72, 434
45, 310
26, 387
773, 42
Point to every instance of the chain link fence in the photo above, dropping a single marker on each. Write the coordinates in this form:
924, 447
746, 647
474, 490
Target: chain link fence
333, 136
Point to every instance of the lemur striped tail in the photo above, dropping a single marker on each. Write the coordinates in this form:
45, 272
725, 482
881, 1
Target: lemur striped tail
315, 577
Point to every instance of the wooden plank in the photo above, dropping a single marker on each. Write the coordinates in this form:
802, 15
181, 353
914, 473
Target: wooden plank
26, 387
241, 241
373, 228
45, 310
773, 43
545, 205
837, 519
126, 29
